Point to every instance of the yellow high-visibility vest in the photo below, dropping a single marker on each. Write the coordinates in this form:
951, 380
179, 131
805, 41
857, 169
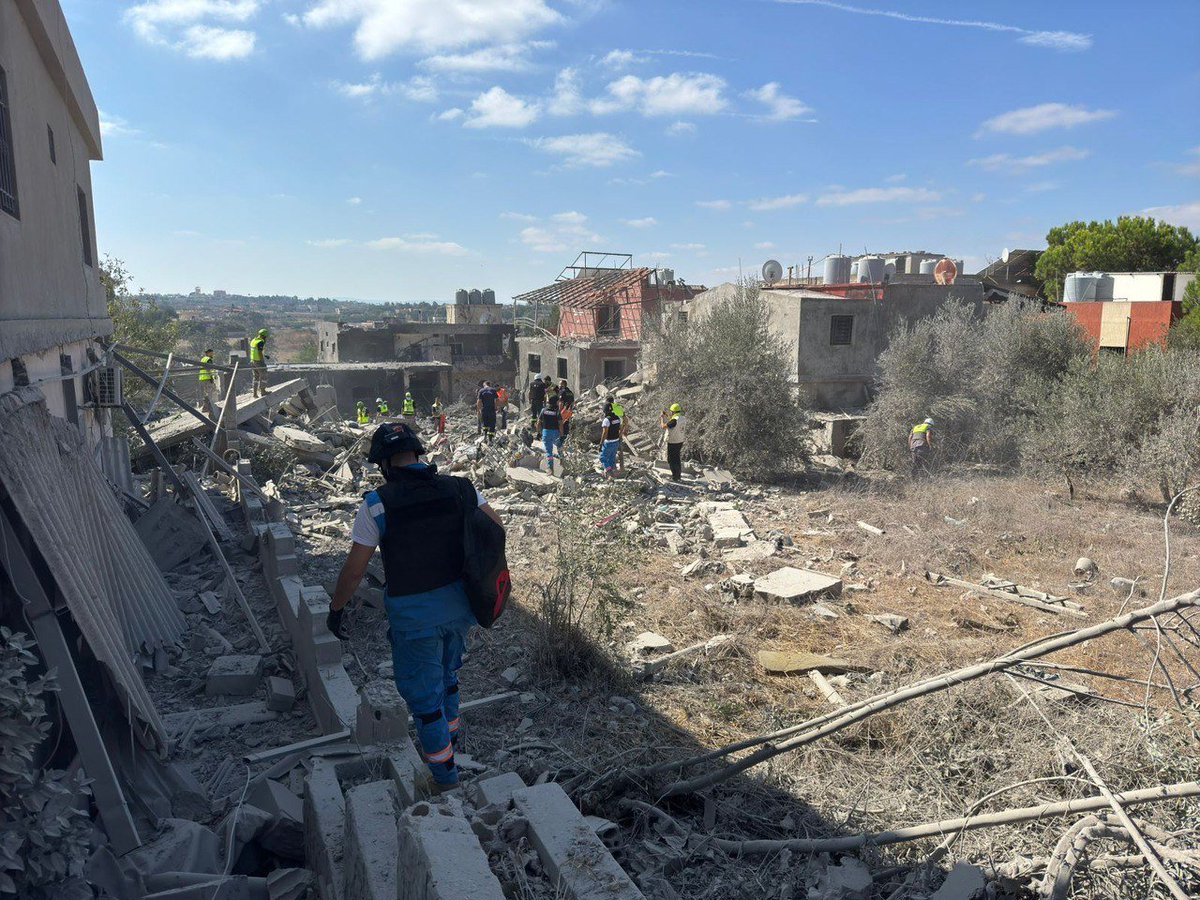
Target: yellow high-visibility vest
205, 372
256, 349
410, 408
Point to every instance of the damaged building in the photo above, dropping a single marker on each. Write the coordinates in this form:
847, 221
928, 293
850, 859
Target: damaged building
602, 302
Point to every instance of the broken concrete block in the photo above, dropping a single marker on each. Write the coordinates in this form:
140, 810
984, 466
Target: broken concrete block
575, 859
289, 884
537, 481
440, 859
171, 534
701, 567
648, 643
792, 662
211, 602
372, 842
324, 826
755, 551
791, 585
498, 790
892, 622
729, 528
180, 846
236, 675
848, 880
965, 882
382, 714
281, 694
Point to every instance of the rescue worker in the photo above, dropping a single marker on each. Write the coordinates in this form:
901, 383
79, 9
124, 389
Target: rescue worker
920, 446
619, 412
610, 439
485, 409
258, 362
410, 408
381, 407
364, 417
417, 521
207, 385
566, 405
550, 422
537, 399
502, 399
438, 415
672, 423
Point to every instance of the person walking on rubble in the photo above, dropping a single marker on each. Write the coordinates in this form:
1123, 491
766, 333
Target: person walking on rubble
610, 439
502, 400
485, 407
361, 413
417, 520
920, 446
410, 407
258, 362
566, 405
550, 422
672, 423
537, 399
207, 384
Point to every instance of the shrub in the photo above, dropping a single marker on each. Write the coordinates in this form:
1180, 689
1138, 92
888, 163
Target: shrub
731, 374
44, 839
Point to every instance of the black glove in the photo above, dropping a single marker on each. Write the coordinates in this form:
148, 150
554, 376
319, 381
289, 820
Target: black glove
334, 623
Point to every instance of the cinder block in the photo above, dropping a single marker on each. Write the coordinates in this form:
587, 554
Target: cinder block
382, 714
324, 826
281, 694
333, 698
313, 608
440, 859
498, 790
292, 590
372, 841
281, 540
574, 857
235, 675
322, 650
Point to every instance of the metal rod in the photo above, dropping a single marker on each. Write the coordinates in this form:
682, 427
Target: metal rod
183, 359
153, 403
167, 469
229, 393
179, 401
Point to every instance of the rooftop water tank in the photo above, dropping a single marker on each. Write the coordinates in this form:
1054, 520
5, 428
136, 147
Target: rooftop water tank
927, 266
475, 297
489, 297
854, 270
837, 269
958, 264
889, 269
870, 270
1105, 285
460, 297
1080, 287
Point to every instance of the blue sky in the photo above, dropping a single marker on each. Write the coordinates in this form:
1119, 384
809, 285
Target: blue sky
399, 149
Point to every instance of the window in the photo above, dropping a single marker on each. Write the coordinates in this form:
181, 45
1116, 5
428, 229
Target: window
50, 138
535, 363
8, 166
608, 320
614, 369
562, 367
85, 226
70, 401
841, 330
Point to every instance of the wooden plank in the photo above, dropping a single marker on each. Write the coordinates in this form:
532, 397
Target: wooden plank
205, 505
935, 578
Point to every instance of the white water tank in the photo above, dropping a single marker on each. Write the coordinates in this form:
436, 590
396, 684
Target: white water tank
870, 270
837, 269
1080, 287
927, 266
854, 271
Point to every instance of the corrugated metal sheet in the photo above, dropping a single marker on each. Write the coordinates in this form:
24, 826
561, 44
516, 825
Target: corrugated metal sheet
109, 582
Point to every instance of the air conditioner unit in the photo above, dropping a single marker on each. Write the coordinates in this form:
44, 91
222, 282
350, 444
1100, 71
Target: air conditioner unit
107, 387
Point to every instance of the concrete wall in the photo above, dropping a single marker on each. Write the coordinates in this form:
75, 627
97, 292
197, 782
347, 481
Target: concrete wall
48, 295
1148, 287
1125, 325
585, 364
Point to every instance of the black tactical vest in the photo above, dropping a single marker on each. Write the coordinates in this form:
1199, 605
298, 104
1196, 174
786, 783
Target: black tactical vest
422, 542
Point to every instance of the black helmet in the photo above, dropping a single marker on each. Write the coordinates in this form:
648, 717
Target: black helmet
393, 438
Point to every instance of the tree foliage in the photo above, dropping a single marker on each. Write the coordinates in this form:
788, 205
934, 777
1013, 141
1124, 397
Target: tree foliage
138, 320
1131, 244
730, 372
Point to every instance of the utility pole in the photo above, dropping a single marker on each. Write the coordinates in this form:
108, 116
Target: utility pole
808, 277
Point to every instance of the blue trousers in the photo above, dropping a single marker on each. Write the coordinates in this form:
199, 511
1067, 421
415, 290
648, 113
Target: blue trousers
608, 455
426, 671
552, 440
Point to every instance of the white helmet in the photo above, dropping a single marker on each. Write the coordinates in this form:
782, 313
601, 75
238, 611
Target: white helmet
929, 421
378, 399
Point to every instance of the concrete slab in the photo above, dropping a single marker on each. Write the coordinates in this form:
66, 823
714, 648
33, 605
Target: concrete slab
729, 528
538, 482
281, 694
965, 882
497, 791
792, 585
324, 827
372, 842
796, 662
171, 534
574, 857
441, 859
236, 675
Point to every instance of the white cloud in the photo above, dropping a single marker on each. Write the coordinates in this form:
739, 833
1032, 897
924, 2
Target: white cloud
720, 205
647, 222
518, 217
114, 126
564, 231
354, 201
1185, 214
619, 59
449, 115
879, 195
419, 89
785, 202
780, 107
896, 179
328, 243
420, 245
497, 108
598, 148
764, 245
689, 248
1017, 165
1054, 40
186, 26
1188, 168
567, 99
383, 27
498, 58
1043, 117
930, 213
677, 94
1041, 187
978, 197
681, 129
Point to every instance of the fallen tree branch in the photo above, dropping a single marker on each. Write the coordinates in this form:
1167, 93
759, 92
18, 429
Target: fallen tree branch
829, 723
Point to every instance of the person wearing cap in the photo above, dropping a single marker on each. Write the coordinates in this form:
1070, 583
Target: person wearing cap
672, 423
207, 384
610, 439
381, 407
258, 362
920, 446
416, 519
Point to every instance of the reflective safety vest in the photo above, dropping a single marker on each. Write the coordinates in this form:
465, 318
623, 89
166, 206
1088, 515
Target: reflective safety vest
364, 417
205, 372
383, 408
916, 438
256, 349
410, 408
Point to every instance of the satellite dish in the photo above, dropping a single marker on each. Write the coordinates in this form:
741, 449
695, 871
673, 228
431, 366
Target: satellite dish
945, 271
772, 271
1004, 255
